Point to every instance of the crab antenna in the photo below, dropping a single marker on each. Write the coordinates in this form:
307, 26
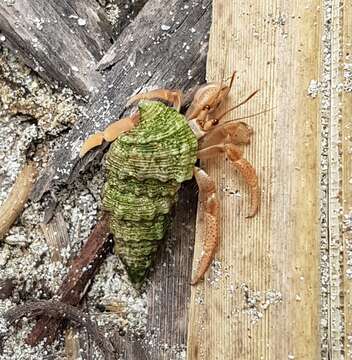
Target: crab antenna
243, 117
238, 105
223, 75
232, 79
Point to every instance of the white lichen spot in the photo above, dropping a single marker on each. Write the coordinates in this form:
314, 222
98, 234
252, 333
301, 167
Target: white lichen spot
257, 302
112, 13
313, 88
81, 22
216, 274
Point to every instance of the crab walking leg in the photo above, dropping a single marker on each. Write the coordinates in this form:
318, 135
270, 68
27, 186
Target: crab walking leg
207, 189
236, 132
245, 168
172, 96
112, 132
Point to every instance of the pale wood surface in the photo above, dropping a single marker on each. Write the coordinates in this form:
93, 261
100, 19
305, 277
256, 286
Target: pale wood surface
276, 254
56, 235
346, 126
331, 115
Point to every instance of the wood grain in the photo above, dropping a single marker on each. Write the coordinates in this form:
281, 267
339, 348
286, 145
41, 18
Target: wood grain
345, 76
127, 12
56, 235
261, 298
331, 116
154, 51
48, 37
170, 288
17, 198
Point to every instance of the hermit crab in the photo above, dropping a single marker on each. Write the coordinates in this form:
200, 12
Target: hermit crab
153, 151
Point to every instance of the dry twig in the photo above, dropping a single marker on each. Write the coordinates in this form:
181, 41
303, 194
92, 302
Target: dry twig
13, 205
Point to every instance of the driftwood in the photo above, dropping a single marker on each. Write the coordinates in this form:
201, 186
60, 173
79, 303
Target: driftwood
169, 52
72, 343
127, 12
14, 204
56, 235
77, 281
78, 342
168, 296
7, 286
61, 40
149, 53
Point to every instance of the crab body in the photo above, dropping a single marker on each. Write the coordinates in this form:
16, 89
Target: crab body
153, 151
145, 168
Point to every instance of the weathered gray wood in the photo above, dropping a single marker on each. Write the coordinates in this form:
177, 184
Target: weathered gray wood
172, 58
170, 291
6, 288
128, 10
60, 39
146, 55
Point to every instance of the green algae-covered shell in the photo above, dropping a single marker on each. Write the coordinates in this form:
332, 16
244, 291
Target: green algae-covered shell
161, 147
145, 169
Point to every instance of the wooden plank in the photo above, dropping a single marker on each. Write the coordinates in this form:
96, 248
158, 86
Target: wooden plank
61, 40
346, 140
146, 55
331, 115
261, 298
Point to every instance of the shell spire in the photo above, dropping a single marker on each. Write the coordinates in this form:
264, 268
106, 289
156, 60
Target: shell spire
145, 168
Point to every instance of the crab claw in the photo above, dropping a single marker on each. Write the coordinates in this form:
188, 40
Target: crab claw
249, 174
207, 188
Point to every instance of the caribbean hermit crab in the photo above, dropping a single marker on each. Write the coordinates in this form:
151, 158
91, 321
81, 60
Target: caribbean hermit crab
153, 151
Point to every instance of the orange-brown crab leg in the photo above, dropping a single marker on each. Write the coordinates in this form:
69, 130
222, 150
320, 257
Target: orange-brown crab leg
245, 168
172, 96
207, 188
235, 132
111, 133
